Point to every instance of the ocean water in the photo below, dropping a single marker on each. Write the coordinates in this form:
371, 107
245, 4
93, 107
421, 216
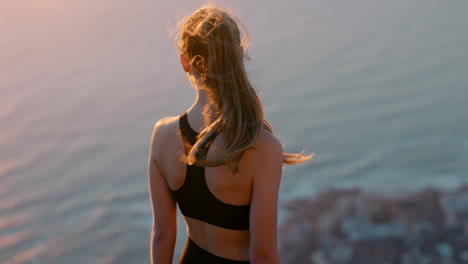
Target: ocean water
377, 89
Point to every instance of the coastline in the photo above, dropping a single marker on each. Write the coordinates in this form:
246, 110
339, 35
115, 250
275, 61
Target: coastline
341, 226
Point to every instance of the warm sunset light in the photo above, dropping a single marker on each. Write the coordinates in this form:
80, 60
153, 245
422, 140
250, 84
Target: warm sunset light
150, 132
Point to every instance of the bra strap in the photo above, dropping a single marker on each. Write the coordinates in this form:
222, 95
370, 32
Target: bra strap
189, 136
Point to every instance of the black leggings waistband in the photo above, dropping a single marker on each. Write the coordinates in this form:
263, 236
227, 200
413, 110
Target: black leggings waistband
193, 254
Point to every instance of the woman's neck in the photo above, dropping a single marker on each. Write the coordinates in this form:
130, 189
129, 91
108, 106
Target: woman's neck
200, 105
201, 101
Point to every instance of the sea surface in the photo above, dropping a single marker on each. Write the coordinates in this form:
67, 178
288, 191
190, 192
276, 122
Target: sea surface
378, 90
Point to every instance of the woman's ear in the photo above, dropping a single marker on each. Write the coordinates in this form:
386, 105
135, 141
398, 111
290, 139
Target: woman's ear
184, 62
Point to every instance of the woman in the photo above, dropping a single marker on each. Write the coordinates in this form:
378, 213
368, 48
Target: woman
219, 160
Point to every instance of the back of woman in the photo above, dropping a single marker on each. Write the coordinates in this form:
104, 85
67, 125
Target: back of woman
218, 161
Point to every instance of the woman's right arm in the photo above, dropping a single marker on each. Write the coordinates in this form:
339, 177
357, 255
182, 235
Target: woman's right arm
164, 227
267, 162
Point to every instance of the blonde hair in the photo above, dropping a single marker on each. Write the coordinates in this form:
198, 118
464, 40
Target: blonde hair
210, 40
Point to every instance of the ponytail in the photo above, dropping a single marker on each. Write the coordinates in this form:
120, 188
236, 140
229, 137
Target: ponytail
211, 41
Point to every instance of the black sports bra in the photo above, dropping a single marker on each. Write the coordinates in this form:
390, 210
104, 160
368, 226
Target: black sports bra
194, 197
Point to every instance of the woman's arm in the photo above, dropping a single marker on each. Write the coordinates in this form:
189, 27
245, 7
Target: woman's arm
267, 162
164, 228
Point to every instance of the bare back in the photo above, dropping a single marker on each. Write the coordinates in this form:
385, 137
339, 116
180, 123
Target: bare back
222, 183
256, 183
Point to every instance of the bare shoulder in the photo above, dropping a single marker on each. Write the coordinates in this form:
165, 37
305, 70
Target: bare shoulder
267, 142
266, 150
167, 122
165, 126
163, 131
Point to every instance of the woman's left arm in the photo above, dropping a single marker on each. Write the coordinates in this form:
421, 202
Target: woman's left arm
164, 228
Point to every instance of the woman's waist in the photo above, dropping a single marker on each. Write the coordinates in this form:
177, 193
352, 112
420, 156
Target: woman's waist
227, 243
